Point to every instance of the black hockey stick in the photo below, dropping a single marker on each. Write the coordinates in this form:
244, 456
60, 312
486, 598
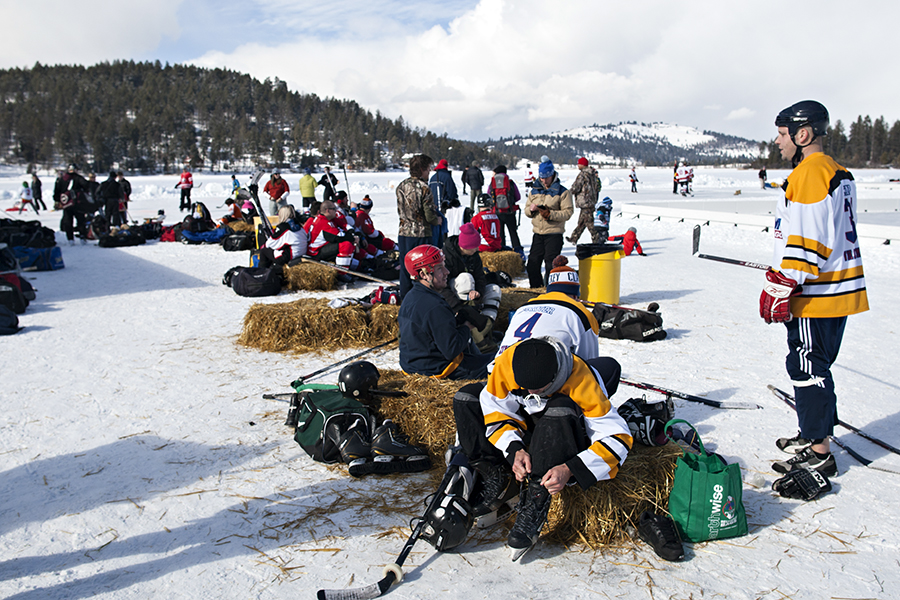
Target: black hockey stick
253, 188
789, 400
286, 396
855, 430
731, 261
307, 259
347, 183
690, 397
392, 572
304, 378
640, 310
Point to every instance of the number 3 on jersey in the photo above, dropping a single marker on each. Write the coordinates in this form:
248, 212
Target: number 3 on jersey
524, 330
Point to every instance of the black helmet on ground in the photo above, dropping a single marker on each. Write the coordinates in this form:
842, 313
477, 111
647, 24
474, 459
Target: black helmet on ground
356, 379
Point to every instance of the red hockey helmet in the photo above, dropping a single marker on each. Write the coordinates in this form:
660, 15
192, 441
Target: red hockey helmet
421, 257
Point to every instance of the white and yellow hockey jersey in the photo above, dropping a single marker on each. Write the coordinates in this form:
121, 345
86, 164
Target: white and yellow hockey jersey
816, 243
610, 438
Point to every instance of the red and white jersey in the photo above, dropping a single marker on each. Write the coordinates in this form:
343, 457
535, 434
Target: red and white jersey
365, 225
186, 182
345, 218
287, 242
323, 231
684, 174
488, 225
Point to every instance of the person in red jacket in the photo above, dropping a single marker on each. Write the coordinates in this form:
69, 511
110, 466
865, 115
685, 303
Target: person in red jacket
488, 225
278, 190
629, 241
185, 183
378, 243
328, 240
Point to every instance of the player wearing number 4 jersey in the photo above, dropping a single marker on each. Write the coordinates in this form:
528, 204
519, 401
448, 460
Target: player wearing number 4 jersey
488, 225
816, 279
559, 314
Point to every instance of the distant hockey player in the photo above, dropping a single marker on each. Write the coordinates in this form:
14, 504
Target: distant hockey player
762, 177
378, 244
186, 184
26, 198
632, 177
328, 181
505, 194
816, 279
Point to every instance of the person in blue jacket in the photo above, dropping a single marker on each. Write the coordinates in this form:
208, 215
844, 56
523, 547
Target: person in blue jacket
443, 189
434, 341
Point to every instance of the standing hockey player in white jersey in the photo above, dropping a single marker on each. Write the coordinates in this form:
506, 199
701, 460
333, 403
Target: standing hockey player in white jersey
816, 280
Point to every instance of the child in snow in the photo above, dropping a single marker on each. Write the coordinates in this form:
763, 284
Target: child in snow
629, 242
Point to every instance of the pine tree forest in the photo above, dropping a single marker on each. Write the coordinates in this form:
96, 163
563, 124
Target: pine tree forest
148, 117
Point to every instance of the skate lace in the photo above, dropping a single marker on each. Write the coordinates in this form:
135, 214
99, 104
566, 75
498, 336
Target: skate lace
531, 510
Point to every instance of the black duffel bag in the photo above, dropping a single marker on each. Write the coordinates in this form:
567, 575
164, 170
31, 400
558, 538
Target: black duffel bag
236, 242
629, 324
254, 282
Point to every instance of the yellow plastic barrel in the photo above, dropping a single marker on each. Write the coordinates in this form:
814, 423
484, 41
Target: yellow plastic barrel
600, 272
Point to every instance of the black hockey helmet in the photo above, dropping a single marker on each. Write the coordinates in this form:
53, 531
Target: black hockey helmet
646, 421
807, 112
485, 200
356, 379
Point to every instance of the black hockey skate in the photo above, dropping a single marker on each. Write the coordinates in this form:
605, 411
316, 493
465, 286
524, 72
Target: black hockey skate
534, 504
498, 494
391, 453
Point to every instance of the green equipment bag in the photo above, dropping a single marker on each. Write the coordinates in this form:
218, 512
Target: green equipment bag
705, 501
323, 414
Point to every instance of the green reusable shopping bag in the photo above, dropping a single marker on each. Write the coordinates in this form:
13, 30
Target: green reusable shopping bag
705, 501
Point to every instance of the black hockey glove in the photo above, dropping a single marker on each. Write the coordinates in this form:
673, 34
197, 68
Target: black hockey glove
802, 484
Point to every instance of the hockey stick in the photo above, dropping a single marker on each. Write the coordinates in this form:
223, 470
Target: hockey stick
640, 310
253, 188
307, 259
347, 183
286, 397
855, 430
304, 378
731, 261
690, 397
392, 572
789, 400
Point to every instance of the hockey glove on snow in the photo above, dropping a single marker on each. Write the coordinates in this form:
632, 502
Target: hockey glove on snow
775, 300
802, 484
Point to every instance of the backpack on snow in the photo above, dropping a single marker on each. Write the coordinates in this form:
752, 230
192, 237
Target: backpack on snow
321, 415
9, 322
256, 282
502, 195
629, 324
241, 240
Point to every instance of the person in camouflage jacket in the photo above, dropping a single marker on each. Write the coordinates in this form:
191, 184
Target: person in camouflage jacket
417, 212
586, 189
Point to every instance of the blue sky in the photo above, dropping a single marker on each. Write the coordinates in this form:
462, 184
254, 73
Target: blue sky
488, 68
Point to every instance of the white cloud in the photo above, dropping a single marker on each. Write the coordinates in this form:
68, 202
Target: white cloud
489, 68
740, 114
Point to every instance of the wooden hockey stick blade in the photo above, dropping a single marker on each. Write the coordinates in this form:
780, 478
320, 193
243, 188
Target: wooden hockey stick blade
307, 259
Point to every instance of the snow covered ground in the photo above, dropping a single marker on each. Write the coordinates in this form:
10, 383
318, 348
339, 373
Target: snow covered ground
139, 460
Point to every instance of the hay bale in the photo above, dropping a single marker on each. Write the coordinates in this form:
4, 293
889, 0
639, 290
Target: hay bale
306, 325
511, 299
309, 276
241, 226
599, 516
383, 321
595, 518
507, 261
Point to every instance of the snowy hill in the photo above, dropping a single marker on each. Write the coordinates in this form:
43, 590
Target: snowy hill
631, 142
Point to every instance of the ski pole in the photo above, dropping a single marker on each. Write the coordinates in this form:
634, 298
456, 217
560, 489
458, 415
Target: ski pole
303, 378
